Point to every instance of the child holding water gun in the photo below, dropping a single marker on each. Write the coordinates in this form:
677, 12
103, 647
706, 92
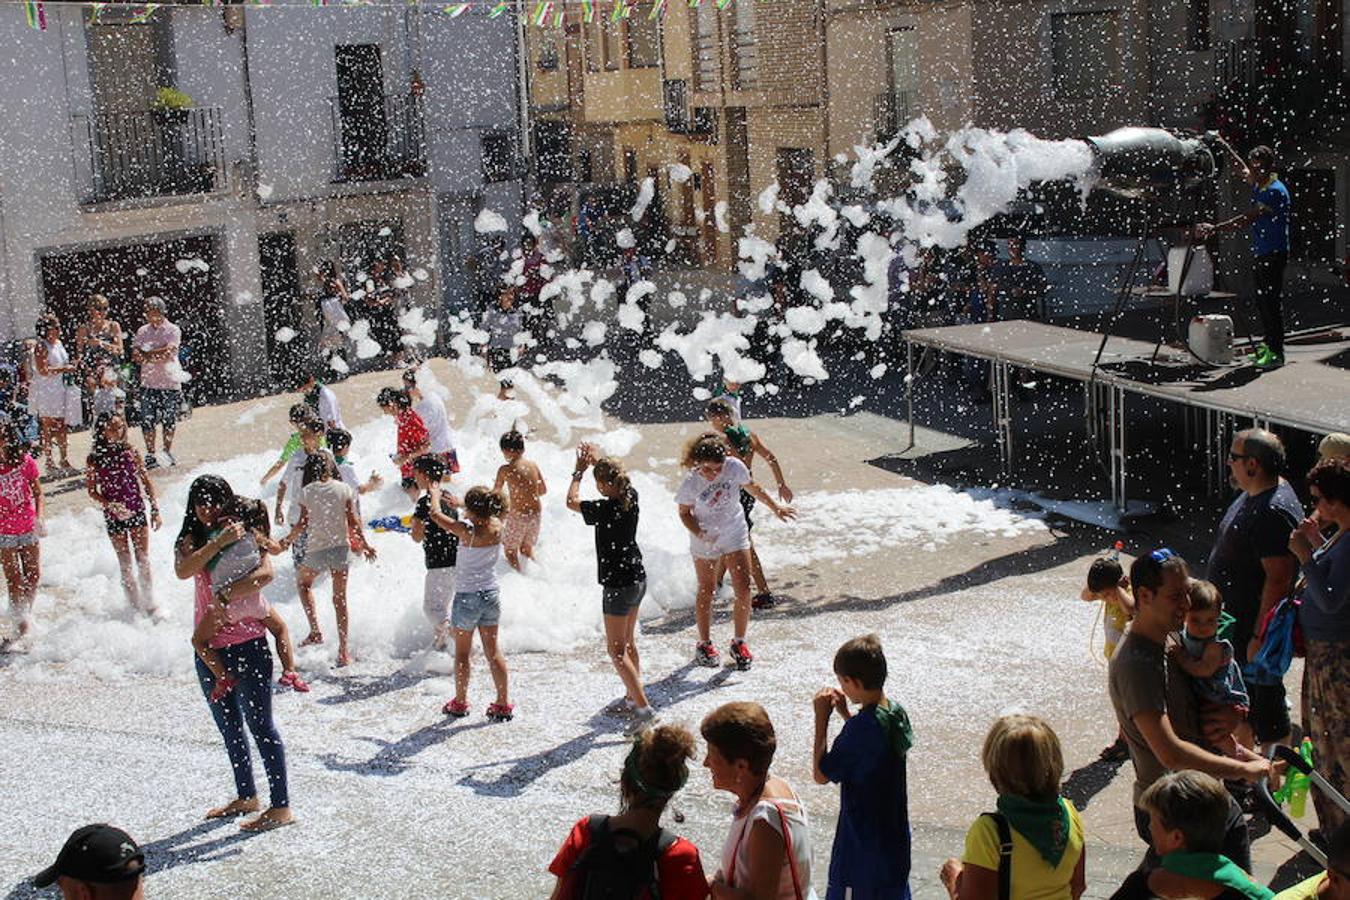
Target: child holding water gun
1108, 585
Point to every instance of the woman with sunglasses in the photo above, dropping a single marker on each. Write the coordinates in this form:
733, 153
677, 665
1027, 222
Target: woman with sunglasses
215, 520
1324, 615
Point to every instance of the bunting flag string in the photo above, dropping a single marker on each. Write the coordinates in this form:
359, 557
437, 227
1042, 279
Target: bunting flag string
36, 15
544, 13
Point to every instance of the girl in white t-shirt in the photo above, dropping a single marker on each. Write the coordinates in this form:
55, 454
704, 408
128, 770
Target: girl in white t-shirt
709, 500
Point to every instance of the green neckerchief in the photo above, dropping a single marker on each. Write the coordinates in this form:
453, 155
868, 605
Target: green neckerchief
1045, 824
1226, 626
894, 722
1217, 868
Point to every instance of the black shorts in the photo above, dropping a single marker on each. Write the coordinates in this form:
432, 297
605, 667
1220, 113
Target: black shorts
122, 526
620, 600
747, 504
1268, 714
499, 358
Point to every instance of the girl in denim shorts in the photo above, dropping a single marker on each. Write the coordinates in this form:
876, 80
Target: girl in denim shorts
477, 603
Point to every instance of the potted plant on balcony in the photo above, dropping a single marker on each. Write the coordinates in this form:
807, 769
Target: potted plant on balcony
171, 105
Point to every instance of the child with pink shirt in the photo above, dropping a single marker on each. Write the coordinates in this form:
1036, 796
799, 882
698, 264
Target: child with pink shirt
21, 511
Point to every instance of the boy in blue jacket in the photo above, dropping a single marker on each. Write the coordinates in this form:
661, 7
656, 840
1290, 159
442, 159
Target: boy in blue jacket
871, 855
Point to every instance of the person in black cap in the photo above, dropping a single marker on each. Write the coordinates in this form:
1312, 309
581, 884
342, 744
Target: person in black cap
98, 862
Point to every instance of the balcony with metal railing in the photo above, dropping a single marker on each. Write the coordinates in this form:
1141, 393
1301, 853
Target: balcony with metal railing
381, 140
892, 110
140, 154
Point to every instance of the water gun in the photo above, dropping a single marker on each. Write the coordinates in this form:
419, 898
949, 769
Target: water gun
400, 524
1294, 791
1115, 552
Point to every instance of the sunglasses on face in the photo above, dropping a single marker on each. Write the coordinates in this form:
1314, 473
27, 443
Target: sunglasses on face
1234, 457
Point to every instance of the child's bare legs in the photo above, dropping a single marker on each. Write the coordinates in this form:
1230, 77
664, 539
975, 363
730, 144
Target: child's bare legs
512, 558
121, 542
496, 662
706, 570
738, 564
201, 640
344, 656
140, 544
281, 635
757, 571
623, 654
463, 665
21, 577
304, 582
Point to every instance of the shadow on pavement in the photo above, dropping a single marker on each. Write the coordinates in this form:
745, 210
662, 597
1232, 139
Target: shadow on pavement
603, 730
394, 757
1088, 781
356, 688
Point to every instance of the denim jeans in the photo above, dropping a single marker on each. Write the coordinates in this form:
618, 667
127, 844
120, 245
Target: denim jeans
249, 703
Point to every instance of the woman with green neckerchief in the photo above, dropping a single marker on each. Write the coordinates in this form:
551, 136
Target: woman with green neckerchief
1187, 820
1024, 761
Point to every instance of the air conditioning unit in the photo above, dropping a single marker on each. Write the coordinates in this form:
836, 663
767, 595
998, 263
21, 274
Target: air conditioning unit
675, 94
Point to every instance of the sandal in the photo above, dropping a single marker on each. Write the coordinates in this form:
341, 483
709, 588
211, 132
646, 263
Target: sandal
457, 708
1116, 752
293, 681
222, 688
763, 601
500, 712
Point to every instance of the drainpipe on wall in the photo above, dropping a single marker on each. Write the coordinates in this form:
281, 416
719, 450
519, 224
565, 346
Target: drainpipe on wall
523, 97
824, 100
251, 184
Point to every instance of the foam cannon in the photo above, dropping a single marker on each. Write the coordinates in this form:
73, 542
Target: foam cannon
1136, 160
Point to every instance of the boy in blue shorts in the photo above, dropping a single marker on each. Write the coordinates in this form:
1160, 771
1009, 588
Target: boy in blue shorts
871, 856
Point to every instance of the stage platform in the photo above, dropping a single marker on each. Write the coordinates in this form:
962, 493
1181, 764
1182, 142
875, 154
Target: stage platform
1310, 393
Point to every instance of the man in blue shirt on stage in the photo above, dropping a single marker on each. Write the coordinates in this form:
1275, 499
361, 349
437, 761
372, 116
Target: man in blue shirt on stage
1268, 218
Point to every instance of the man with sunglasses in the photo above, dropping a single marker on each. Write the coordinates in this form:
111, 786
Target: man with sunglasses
1158, 712
1251, 564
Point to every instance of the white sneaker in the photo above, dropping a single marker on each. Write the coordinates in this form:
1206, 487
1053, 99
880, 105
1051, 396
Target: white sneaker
169, 458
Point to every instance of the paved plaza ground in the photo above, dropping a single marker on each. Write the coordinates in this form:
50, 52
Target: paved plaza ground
977, 608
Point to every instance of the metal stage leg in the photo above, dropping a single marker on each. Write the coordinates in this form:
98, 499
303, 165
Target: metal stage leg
909, 390
1115, 402
1003, 415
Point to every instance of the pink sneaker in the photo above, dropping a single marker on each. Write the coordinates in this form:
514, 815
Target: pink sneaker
500, 712
457, 708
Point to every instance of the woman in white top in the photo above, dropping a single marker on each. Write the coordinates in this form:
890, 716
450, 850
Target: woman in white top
767, 853
47, 394
477, 604
432, 410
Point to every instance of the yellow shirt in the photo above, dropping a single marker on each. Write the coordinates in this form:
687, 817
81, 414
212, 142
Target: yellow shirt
1304, 890
1032, 876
